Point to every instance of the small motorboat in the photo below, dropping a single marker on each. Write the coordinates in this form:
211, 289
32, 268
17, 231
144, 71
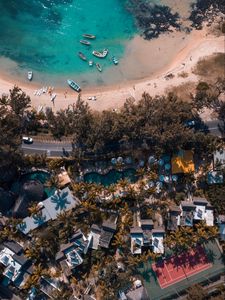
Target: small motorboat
98, 67
74, 85
93, 98
89, 36
100, 54
29, 75
82, 56
84, 42
115, 60
90, 63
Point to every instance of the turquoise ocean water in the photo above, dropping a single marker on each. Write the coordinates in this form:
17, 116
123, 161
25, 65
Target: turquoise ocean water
43, 35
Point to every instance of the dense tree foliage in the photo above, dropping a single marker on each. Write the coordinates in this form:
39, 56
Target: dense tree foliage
153, 124
12, 114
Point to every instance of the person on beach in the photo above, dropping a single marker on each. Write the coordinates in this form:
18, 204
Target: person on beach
65, 94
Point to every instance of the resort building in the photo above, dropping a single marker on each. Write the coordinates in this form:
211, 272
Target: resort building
187, 214
173, 217
48, 287
137, 240
94, 237
157, 240
203, 211
16, 266
215, 177
147, 226
64, 179
49, 209
218, 159
107, 231
70, 254
139, 293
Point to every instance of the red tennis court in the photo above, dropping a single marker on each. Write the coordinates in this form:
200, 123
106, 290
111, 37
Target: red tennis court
177, 268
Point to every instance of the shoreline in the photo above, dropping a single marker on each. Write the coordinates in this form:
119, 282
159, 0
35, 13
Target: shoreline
199, 45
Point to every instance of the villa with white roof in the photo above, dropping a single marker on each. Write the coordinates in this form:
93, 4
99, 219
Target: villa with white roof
17, 266
203, 211
157, 240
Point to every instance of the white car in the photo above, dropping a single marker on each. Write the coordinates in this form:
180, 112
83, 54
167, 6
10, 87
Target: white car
27, 140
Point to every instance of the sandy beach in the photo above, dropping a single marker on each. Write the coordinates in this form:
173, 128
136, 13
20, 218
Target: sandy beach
171, 53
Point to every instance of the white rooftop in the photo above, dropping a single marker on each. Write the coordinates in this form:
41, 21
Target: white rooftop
157, 242
12, 270
61, 201
137, 241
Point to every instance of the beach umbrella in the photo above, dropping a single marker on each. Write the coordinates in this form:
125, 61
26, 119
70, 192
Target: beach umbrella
159, 184
167, 167
166, 158
151, 160
161, 162
141, 163
128, 160
151, 184
174, 177
113, 160
161, 178
166, 179
119, 160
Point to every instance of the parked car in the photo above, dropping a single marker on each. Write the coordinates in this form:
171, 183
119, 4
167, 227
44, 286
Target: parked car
27, 140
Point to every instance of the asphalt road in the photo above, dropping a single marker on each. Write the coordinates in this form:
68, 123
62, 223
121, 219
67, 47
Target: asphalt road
59, 149
50, 148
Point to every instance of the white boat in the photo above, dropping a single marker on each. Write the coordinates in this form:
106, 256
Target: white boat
100, 54
98, 67
84, 42
91, 63
89, 36
74, 85
82, 56
115, 60
29, 75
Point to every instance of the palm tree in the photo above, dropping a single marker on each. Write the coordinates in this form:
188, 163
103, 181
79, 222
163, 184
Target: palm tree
32, 253
53, 182
33, 280
34, 209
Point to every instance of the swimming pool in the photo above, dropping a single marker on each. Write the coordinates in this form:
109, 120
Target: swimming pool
113, 176
42, 176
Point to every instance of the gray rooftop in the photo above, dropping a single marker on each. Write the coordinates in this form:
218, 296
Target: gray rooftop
108, 225
14, 246
21, 259
136, 229
158, 230
200, 200
147, 222
187, 204
174, 208
138, 294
